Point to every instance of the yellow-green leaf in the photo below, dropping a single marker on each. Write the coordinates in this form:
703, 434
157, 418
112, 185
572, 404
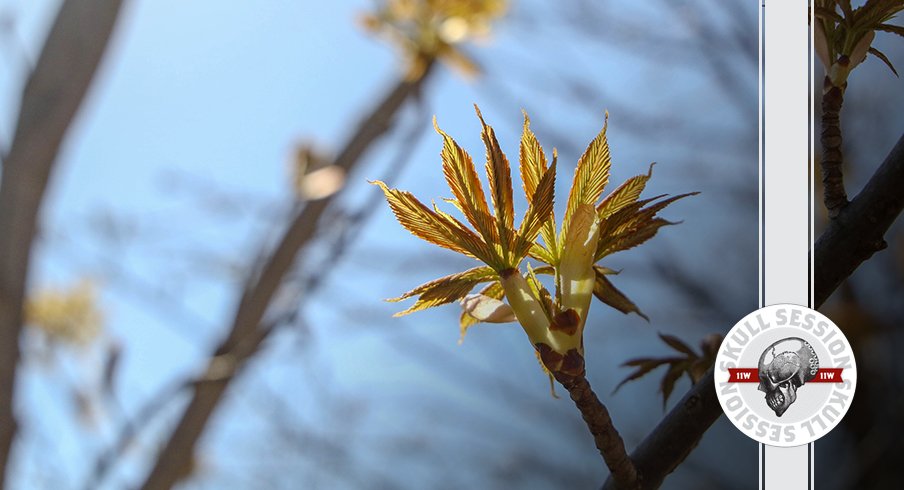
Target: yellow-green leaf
435, 228
445, 289
623, 195
539, 213
540, 253
533, 160
533, 169
527, 307
458, 168
576, 273
590, 176
499, 174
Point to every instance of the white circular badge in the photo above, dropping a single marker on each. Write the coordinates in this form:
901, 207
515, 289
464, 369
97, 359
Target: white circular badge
785, 375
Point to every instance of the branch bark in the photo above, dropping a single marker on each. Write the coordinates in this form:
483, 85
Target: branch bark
52, 96
859, 229
850, 239
834, 196
247, 331
605, 436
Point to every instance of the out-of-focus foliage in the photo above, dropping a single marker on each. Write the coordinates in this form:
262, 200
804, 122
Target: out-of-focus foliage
433, 29
69, 316
313, 176
687, 362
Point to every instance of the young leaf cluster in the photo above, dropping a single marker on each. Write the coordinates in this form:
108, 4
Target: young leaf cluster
844, 34
592, 228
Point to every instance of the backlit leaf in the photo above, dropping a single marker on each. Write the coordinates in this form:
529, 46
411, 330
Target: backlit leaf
590, 176
445, 289
576, 270
533, 168
632, 225
623, 195
499, 174
458, 168
539, 213
433, 227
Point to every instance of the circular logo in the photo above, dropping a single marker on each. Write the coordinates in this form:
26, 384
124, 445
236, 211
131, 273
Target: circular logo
785, 375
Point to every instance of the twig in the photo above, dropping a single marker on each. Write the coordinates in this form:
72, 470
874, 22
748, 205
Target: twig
246, 333
53, 94
850, 239
834, 196
605, 436
130, 431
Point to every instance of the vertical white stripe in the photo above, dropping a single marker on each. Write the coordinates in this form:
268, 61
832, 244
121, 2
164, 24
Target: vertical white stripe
784, 191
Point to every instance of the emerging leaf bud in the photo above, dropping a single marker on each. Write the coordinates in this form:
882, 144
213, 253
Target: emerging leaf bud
527, 308
577, 277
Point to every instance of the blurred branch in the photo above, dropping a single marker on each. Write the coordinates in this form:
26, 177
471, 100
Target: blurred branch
354, 222
851, 239
247, 331
52, 96
130, 430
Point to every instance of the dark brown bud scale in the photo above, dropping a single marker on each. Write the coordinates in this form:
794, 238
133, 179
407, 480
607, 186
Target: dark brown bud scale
566, 321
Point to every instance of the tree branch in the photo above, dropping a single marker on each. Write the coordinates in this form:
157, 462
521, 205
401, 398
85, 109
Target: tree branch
859, 229
52, 96
247, 331
849, 240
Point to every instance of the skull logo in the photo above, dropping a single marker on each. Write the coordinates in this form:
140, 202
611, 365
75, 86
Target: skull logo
784, 367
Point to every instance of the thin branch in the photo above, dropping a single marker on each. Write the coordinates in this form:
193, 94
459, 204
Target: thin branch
52, 96
247, 332
834, 196
607, 439
850, 239
130, 430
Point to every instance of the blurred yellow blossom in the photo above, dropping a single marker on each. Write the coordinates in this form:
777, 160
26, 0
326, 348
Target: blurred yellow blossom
66, 315
432, 29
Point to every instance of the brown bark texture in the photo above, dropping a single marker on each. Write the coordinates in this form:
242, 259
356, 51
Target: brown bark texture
605, 436
834, 195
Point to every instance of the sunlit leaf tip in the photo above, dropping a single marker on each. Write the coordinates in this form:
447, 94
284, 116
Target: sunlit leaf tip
499, 175
590, 176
